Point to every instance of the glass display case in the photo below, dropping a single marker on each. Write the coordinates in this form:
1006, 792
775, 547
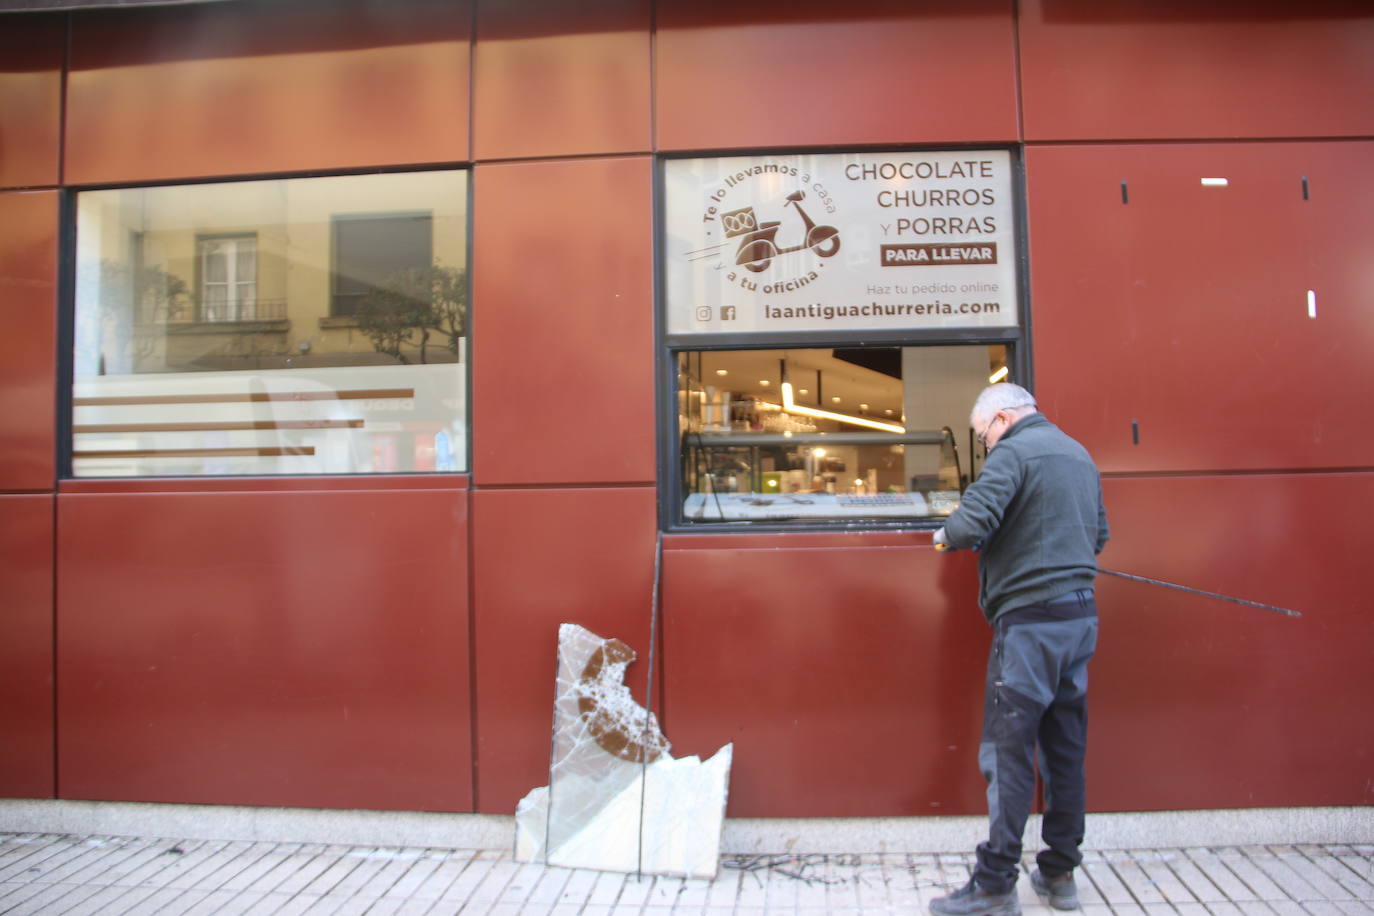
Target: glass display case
771, 476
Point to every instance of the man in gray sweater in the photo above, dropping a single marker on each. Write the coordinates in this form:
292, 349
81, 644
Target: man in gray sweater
1036, 514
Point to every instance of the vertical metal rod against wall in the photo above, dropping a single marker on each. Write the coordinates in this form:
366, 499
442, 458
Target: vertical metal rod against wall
649, 698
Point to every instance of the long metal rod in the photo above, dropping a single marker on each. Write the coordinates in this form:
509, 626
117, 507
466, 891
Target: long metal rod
1198, 591
649, 698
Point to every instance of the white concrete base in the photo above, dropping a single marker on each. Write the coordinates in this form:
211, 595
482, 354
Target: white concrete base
1147, 830
282, 825
1129, 830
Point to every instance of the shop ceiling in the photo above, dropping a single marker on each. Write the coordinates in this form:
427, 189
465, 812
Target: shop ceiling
747, 371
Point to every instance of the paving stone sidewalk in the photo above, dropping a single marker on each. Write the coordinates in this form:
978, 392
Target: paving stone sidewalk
80, 875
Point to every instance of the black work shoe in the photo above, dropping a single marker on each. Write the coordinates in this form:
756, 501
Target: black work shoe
972, 900
1061, 890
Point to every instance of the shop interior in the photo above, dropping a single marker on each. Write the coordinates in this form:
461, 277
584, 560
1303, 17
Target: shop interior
842, 432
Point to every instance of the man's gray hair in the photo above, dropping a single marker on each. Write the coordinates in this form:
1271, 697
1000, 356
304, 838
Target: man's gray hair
1002, 396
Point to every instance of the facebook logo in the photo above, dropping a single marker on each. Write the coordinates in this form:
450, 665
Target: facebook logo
727, 313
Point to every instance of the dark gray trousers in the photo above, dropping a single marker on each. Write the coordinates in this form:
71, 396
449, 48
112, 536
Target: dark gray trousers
1036, 694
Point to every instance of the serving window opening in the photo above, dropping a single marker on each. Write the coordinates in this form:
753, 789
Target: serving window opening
833, 432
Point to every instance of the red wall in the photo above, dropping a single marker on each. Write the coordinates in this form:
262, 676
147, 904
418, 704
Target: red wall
390, 642
554, 79
28, 381
1176, 69
200, 90
854, 660
250, 644
26, 645
1205, 289
1198, 703
28, 349
811, 72
563, 393
536, 567
31, 100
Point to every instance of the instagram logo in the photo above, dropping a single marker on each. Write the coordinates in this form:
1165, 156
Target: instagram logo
703, 313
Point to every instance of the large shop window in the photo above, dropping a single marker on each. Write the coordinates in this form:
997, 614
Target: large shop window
296, 326
829, 320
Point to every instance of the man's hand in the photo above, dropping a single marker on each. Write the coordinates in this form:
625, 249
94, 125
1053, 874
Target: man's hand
939, 540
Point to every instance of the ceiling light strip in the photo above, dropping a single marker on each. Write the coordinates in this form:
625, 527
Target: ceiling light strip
791, 407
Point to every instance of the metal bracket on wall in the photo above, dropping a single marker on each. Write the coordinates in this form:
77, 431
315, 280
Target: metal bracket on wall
1304, 187
1125, 198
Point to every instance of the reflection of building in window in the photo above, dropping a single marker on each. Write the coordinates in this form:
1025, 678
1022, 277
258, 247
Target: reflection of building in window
370, 249
228, 277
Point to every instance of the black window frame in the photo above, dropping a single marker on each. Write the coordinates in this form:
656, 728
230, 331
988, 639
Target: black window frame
67, 294
669, 347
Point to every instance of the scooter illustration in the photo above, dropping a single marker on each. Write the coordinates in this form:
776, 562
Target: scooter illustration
759, 246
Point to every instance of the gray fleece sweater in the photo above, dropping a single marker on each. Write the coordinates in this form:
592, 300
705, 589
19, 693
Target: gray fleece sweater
1037, 511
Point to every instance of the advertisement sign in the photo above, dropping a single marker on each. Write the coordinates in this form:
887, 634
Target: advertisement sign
840, 242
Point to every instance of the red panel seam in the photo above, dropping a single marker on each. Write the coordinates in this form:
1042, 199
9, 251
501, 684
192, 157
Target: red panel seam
558, 485
1190, 141
1258, 472
569, 157
773, 542
58, 392
653, 86
472, 105
1016, 70
62, 100
380, 483
52, 606
473, 731
803, 548
474, 776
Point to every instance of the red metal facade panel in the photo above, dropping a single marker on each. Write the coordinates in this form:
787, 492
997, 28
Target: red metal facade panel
28, 351
233, 89
309, 642
562, 316
1145, 69
793, 72
26, 646
300, 649
849, 678
1197, 703
1186, 310
553, 79
31, 49
544, 558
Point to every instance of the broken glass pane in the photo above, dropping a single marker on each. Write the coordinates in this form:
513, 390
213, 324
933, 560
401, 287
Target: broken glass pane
616, 799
